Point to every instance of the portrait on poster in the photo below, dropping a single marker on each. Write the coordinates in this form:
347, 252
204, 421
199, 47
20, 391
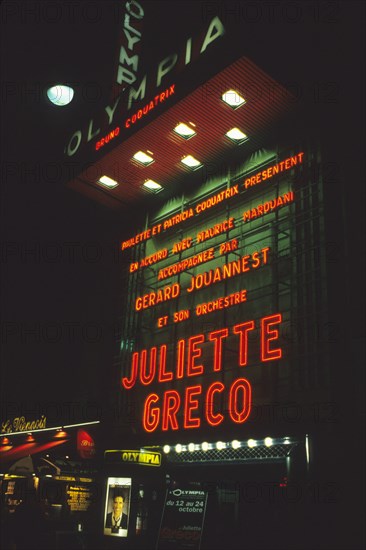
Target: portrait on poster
117, 506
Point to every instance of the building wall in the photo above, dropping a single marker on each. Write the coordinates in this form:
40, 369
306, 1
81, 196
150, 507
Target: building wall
288, 279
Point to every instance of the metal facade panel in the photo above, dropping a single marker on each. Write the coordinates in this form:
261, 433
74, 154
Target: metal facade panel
265, 99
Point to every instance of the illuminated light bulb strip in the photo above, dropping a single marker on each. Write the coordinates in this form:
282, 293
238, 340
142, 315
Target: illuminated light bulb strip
221, 445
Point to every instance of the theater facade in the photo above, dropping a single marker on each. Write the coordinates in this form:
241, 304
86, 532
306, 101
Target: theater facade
228, 387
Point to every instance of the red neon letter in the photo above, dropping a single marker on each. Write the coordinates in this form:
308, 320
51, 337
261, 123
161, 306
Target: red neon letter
151, 415
240, 416
213, 419
194, 353
217, 337
129, 383
171, 406
243, 329
180, 362
146, 379
268, 335
164, 376
191, 404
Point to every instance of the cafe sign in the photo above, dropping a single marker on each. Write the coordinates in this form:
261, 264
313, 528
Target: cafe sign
22, 424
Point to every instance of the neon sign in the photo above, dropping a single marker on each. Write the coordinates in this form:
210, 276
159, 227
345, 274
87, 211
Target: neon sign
160, 98
231, 269
21, 424
217, 229
264, 175
182, 216
185, 244
106, 139
155, 298
222, 303
216, 401
163, 410
232, 191
206, 307
188, 263
268, 206
133, 35
207, 278
150, 260
127, 75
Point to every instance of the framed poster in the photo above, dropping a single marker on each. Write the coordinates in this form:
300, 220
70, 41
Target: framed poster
183, 519
117, 506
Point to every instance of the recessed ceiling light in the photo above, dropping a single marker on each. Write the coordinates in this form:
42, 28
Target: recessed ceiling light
60, 95
236, 135
152, 186
232, 98
184, 131
108, 182
191, 162
143, 158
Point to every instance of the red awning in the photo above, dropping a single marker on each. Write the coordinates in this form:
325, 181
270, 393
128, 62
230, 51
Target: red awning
10, 454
